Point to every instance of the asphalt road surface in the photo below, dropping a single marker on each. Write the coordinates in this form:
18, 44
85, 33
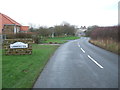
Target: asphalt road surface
79, 64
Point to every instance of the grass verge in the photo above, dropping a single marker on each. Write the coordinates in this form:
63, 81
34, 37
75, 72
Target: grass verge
0, 66
59, 40
21, 71
107, 45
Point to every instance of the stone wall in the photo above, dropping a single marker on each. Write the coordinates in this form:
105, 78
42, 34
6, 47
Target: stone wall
17, 51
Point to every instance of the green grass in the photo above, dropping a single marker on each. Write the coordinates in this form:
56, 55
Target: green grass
60, 40
21, 71
0, 68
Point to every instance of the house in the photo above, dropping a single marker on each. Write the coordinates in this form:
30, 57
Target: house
10, 26
80, 31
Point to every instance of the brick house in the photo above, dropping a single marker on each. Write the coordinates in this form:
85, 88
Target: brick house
10, 26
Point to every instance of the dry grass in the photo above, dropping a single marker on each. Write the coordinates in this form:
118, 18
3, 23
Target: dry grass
109, 45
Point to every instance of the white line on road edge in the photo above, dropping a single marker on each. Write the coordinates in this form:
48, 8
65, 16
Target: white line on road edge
95, 61
82, 50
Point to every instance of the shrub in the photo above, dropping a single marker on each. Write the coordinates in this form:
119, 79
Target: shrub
55, 42
36, 40
50, 42
18, 35
35, 37
105, 33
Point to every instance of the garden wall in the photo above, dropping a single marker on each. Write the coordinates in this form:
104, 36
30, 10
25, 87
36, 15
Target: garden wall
17, 51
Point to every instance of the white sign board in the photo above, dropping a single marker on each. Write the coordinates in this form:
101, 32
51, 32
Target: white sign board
18, 45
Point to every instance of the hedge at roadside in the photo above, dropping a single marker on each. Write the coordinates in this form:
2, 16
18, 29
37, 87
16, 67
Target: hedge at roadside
105, 33
34, 36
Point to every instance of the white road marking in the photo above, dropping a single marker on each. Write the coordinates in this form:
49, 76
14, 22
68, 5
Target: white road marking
95, 61
82, 50
78, 44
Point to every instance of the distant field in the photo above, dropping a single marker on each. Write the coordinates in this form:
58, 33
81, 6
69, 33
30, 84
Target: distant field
21, 71
59, 40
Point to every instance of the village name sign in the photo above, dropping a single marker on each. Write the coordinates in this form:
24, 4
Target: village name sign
18, 45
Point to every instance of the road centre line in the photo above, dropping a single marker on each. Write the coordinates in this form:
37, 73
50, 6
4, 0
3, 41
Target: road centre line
90, 57
78, 44
82, 50
95, 61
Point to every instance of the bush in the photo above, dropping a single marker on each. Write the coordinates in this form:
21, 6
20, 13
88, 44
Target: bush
23, 35
89, 30
35, 37
55, 42
36, 40
18, 35
105, 33
50, 42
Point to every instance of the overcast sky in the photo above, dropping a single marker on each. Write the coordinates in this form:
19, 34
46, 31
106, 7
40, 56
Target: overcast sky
54, 12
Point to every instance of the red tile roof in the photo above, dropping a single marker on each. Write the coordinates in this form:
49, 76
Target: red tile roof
4, 19
8, 20
1, 24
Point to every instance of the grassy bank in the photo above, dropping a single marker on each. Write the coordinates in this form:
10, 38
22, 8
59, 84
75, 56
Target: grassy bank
59, 40
0, 68
109, 45
22, 71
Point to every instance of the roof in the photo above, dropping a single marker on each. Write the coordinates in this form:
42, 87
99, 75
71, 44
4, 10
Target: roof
8, 20
0, 23
4, 19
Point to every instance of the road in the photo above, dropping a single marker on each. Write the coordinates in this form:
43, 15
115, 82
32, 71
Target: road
79, 64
